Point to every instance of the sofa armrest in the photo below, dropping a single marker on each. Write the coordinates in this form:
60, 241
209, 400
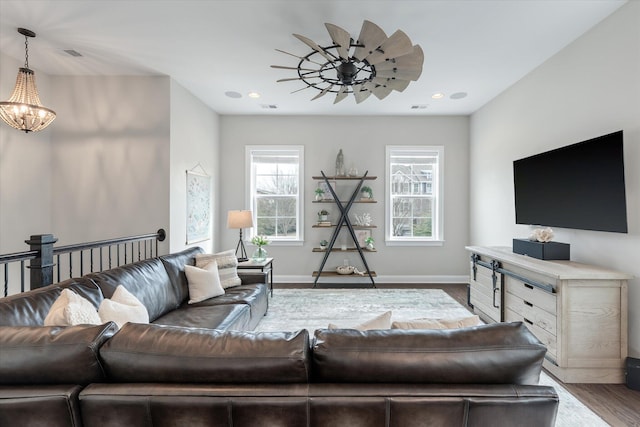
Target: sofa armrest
249, 278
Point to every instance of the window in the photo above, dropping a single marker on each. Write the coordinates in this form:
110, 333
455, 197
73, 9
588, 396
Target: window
275, 191
414, 195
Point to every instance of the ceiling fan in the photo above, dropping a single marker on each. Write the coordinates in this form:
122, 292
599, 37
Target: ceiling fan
373, 64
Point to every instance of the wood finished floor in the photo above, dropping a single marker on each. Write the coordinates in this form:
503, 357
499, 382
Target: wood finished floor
617, 404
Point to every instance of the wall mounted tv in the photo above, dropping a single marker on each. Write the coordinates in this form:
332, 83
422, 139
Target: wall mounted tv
579, 186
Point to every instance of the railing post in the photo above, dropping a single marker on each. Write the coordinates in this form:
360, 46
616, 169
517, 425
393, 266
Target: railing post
42, 266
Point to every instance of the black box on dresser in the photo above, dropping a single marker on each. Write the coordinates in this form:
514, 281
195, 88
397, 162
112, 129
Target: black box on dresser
542, 250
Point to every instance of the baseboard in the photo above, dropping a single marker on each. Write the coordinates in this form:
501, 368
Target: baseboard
277, 278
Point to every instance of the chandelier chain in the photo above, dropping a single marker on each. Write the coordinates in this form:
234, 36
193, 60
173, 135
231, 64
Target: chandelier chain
26, 52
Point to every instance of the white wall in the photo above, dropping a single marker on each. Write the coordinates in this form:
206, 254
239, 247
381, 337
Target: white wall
110, 160
194, 146
590, 88
363, 140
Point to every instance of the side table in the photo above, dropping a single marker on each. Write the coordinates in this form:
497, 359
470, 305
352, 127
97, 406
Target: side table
264, 266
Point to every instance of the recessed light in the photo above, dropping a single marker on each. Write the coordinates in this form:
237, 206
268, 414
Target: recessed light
437, 95
254, 95
232, 94
458, 95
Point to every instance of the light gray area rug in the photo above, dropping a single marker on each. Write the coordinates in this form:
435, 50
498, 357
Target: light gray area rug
294, 309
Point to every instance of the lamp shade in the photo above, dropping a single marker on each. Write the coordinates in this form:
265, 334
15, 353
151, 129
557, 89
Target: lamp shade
239, 219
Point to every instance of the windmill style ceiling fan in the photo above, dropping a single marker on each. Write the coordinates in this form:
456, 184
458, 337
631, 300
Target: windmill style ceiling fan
374, 64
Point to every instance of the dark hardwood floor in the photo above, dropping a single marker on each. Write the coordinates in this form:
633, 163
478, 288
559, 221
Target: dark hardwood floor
616, 404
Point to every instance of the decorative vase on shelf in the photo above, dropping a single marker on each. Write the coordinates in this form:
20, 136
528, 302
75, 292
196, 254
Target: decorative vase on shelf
260, 254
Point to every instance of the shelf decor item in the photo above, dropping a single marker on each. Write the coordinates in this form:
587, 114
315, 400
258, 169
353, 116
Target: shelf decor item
260, 254
370, 243
323, 216
319, 194
323, 244
366, 192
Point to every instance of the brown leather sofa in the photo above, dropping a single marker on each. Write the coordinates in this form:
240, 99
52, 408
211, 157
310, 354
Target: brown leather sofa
171, 375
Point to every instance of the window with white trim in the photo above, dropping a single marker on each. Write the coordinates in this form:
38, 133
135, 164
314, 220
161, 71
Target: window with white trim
275, 191
414, 194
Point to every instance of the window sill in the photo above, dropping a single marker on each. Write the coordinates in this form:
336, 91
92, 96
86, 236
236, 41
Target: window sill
414, 242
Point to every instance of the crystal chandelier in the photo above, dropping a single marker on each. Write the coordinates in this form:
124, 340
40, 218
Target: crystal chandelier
23, 110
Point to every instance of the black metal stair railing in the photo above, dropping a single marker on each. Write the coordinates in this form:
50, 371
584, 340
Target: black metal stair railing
47, 262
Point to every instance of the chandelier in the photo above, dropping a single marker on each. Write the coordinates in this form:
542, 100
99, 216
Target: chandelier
23, 110
374, 64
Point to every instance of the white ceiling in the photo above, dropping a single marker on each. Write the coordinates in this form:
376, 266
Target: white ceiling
210, 47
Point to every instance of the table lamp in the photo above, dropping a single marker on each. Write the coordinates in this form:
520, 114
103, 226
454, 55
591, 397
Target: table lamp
240, 220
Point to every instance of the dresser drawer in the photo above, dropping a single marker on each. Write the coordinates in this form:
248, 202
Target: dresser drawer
549, 340
531, 313
531, 294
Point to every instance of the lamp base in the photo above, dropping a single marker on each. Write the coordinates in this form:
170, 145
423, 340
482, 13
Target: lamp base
243, 259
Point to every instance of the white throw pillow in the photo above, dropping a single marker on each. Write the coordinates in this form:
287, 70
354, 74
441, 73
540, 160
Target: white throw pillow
382, 321
71, 309
227, 266
204, 283
123, 307
461, 322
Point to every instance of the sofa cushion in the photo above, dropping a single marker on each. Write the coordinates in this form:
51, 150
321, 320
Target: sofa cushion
50, 405
459, 322
501, 353
52, 354
155, 353
227, 266
123, 307
72, 309
174, 265
254, 295
224, 317
381, 321
31, 308
147, 280
204, 283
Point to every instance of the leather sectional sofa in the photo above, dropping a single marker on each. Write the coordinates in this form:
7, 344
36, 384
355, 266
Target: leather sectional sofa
202, 365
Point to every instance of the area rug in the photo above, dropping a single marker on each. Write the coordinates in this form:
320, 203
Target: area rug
311, 309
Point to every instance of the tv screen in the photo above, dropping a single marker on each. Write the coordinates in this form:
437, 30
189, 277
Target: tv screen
579, 186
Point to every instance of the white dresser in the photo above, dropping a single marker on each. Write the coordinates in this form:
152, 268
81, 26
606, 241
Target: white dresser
578, 311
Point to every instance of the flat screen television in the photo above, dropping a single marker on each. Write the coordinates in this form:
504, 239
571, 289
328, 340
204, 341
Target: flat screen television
580, 186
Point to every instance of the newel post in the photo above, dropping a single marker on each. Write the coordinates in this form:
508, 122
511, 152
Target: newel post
41, 267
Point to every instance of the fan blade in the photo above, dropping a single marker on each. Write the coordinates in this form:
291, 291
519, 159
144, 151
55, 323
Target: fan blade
340, 37
394, 84
381, 92
297, 78
342, 94
306, 87
360, 93
399, 74
292, 68
371, 36
396, 45
300, 57
313, 45
323, 92
412, 61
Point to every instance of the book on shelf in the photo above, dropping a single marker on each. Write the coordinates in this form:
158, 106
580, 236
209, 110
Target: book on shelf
324, 224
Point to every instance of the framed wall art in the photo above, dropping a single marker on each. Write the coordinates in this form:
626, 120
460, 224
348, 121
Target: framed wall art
198, 207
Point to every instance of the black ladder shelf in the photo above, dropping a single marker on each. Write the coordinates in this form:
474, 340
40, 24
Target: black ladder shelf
344, 220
